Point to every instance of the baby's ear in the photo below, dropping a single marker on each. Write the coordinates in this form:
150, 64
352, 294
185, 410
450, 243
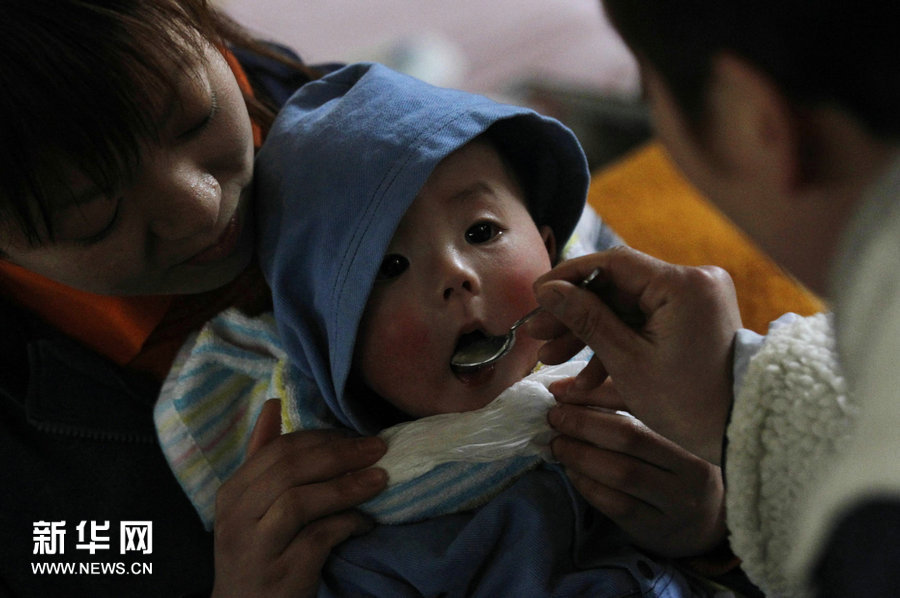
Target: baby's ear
549, 242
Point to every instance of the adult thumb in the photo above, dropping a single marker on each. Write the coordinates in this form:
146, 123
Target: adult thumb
584, 313
267, 428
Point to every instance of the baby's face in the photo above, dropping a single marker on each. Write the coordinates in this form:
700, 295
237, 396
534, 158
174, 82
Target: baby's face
463, 259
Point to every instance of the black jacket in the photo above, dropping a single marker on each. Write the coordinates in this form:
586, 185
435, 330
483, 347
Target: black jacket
77, 444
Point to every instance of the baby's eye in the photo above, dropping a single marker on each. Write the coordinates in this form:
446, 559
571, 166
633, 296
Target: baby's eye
392, 266
481, 232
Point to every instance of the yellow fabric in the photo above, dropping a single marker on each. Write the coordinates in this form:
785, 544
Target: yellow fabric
654, 209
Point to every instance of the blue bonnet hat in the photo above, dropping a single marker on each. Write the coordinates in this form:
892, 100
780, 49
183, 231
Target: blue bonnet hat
343, 161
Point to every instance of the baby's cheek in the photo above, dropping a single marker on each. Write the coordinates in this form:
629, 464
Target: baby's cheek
519, 291
405, 340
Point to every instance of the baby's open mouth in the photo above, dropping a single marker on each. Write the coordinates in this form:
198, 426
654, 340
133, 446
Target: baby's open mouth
468, 339
463, 352
471, 376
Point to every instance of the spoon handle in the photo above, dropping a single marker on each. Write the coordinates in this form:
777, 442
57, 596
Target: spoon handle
525, 318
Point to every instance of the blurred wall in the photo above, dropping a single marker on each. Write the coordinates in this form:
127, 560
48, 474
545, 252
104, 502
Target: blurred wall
487, 46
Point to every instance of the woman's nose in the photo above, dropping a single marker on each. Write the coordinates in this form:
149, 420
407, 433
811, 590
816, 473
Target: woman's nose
187, 203
460, 278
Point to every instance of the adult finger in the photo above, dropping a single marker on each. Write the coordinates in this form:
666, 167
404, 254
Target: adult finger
300, 507
561, 348
605, 395
267, 427
608, 431
590, 380
592, 321
650, 482
544, 326
246, 565
295, 467
621, 507
586, 303
625, 293
297, 446
295, 459
620, 471
626, 271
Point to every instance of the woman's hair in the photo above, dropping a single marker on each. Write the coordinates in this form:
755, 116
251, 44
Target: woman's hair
83, 84
845, 54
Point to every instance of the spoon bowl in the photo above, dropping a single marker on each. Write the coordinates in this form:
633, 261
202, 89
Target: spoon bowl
484, 352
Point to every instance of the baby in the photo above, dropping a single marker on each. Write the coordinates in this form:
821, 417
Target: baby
398, 222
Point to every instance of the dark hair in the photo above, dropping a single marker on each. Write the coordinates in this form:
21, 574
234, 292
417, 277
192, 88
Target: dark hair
513, 163
82, 85
549, 166
841, 53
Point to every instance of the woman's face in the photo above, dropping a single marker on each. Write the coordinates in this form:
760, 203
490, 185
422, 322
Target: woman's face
181, 224
463, 259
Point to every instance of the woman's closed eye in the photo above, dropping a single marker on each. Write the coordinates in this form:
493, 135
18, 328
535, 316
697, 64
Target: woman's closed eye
392, 266
88, 222
106, 230
204, 122
482, 232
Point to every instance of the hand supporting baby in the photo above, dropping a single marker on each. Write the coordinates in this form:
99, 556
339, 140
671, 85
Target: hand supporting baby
288, 505
666, 499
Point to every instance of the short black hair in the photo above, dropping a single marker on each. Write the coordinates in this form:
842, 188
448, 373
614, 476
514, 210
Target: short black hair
845, 54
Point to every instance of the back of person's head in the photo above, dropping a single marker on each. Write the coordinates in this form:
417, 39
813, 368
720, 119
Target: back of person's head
842, 54
84, 83
343, 162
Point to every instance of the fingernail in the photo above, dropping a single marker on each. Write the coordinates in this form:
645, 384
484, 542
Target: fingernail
372, 477
581, 383
549, 297
556, 416
560, 388
371, 446
558, 448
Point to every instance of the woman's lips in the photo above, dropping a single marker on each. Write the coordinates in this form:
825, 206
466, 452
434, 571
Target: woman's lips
223, 247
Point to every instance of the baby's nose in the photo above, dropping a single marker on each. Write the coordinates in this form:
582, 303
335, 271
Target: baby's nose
460, 277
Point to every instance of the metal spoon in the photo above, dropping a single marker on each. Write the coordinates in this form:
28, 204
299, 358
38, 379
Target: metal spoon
483, 352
